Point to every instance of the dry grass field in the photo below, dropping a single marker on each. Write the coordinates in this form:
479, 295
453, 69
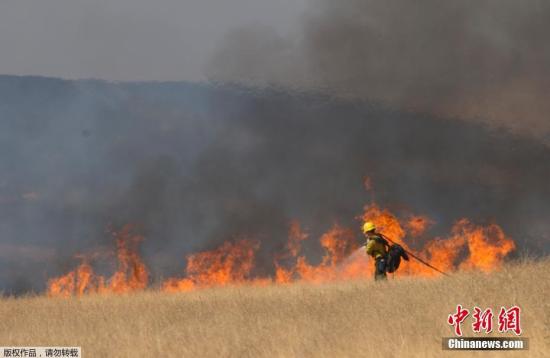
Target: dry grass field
400, 318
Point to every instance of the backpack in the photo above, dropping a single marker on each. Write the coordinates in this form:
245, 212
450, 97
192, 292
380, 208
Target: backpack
395, 254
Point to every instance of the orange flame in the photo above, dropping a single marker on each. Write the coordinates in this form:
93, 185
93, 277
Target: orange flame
468, 247
229, 264
385, 222
131, 275
338, 243
417, 225
487, 246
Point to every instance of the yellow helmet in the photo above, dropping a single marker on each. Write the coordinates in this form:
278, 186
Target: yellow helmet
368, 226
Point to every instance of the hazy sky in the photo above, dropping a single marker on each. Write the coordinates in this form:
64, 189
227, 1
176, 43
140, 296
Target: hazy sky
127, 39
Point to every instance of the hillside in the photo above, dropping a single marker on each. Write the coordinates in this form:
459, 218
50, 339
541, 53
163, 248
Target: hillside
195, 165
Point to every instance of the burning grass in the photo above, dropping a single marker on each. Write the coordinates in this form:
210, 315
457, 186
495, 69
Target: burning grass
468, 247
402, 317
332, 308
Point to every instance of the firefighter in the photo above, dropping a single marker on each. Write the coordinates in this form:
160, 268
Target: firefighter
377, 248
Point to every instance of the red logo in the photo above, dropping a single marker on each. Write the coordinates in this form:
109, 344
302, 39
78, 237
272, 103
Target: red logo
457, 319
482, 320
508, 320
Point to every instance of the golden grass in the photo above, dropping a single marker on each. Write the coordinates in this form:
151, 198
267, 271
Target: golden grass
401, 318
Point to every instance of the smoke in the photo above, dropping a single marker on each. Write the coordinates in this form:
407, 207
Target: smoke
486, 61
194, 165
366, 88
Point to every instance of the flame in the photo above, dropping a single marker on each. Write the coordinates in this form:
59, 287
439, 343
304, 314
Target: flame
385, 222
338, 243
487, 246
417, 225
228, 264
131, 275
467, 247
293, 246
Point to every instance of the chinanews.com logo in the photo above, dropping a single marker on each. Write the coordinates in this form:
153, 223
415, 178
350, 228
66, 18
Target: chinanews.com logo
508, 321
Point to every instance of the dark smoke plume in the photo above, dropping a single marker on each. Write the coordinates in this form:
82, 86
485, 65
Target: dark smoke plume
482, 60
194, 165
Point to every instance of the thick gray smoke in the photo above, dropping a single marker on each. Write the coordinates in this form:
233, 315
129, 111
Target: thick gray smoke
482, 60
193, 166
